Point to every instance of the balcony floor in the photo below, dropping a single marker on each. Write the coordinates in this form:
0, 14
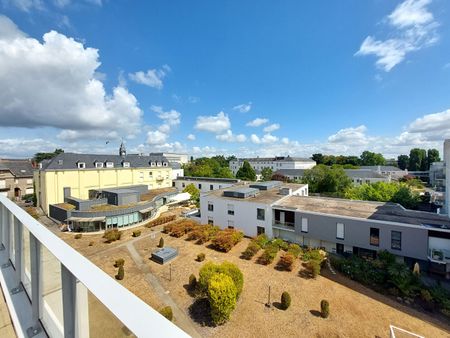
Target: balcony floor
6, 327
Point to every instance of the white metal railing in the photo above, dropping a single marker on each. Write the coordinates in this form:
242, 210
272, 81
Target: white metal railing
402, 332
51, 289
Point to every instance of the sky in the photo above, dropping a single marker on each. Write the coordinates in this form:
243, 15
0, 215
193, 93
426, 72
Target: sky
249, 78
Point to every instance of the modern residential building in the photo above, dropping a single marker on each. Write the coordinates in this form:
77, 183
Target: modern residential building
437, 174
394, 173
81, 173
16, 178
274, 163
204, 184
177, 170
173, 157
247, 207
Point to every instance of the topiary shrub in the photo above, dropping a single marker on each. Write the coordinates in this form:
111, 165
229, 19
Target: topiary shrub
236, 275
112, 235
252, 249
269, 254
295, 250
161, 243
285, 300
314, 268
192, 282
209, 269
226, 239
167, 312
324, 308
262, 240
222, 297
91, 243
120, 273
201, 257
78, 236
286, 262
119, 262
136, 233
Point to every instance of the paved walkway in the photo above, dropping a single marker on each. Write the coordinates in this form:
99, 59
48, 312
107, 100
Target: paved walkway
6, 327
181, 318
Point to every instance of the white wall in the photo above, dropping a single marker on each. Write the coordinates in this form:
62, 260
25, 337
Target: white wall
203, 186
447, 175
177, 173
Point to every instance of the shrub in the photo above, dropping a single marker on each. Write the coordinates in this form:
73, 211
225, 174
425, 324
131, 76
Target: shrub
226, 239
192, 281
119, 262
314, 268
262, 240
112, 235
252, 249
285, 300
177, 230
160, 220
425, 295
120, 273
167, 312
222, 297
278, 242
136, 233
91, 243
236, 275
168, 228
324, 308
269, 254
313, 254
161, 243
286, 262
295, 250
200, 257
78, 236
209, 269
203, 233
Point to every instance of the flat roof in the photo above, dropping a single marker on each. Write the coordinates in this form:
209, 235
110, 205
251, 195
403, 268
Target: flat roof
381, 211
208, 179
264, 196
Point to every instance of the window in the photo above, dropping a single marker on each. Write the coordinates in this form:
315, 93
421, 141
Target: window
210, 221
230, 224
230, 209
260, 230
199, 185
109, 164
152, 164
150, 174
340, 230
304, 224
60, 162
81, 165
98, 164
211, 187
165, 164
374, 236
183, 185
210, 207
260, 214
126, 164
396, 240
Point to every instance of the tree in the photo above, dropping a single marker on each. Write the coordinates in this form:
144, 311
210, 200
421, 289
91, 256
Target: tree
39, 157
246, 172
222, 297
318, 158
266, 174
322, 179
417, 159
369, 158
403, 161
432, 156
194, 192
216, 166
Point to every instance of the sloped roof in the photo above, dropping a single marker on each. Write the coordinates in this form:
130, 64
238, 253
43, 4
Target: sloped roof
381, 167
363, 173
19, 168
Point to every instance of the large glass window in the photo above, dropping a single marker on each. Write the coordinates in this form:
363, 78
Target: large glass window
396, 240
260, 230
210, 207
375, 236
340, 230
304, 224
230, 208
260, 214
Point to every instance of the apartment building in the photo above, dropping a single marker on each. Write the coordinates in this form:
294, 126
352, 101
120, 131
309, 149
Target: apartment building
173, 157
274, 163
81, 173
204, 184
394, 173
16, 178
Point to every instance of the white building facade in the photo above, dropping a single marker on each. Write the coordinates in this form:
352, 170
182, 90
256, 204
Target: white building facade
274, 163
204, 184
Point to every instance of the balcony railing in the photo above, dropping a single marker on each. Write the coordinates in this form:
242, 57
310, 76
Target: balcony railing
52, 290
284, 225
440, 255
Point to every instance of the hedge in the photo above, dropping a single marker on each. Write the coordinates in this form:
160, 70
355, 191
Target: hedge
226, 239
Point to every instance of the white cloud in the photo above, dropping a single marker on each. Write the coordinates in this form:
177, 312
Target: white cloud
350, 136
54, 84
193, 99
432, 126
171, 117
214, 124
20, 147
152, 77
191, 137
156, 137
266, 139
257, 122
230, 137
272, 127
243, 108
414, 29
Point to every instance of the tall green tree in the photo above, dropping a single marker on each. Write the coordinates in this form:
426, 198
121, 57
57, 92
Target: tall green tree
318, 158
246, 172
194, 192
322, 179
432, 156
266, 174
39, 157
369, 158
417, 159
403, 161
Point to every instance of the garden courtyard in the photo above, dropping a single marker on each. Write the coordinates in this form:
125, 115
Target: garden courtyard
355, 311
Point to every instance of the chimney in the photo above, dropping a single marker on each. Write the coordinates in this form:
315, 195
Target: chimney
447, 175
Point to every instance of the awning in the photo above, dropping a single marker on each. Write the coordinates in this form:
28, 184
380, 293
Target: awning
86, 219
144, 211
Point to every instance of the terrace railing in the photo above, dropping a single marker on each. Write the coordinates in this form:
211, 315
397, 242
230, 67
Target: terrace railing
284, 225
52, 290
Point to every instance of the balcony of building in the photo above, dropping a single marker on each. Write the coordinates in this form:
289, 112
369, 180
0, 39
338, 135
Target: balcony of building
284, 220
51, 290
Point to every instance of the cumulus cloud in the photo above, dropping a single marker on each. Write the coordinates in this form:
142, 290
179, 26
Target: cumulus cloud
191, 137
432, 126
156, 137
257, 122
152, 77
214, 123
53, 83
171, 117
350, 136
266, 139
230, 137
414, 28
243, 108
272, 127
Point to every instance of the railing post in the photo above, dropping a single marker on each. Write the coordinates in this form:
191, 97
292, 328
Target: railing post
11, 237
35, 262
6, 230
17, 253
2, 223
68, 283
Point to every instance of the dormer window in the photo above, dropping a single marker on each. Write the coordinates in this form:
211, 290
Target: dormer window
158, 164
99, 164
126, 164
165, 164
81, 165
152, 164
109, 164
60, 162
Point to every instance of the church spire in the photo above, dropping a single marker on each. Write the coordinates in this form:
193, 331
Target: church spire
122, 150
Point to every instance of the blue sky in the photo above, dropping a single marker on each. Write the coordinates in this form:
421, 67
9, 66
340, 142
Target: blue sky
232, 77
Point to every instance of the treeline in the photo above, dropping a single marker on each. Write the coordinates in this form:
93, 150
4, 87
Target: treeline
418, 159
367, 158
216, 166
39, 157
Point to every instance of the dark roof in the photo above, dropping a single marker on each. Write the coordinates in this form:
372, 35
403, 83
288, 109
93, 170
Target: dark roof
290, 172
278, 158
175, 165
208, 179
70, 160
19, 168
381, 167
363, 173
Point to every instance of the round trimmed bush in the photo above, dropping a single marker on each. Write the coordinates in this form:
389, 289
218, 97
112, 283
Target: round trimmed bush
78, 236
119, 262
201, 257
161, 243
285, 300
167, 312
324, 308
222, 297
120, 273
192, 281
